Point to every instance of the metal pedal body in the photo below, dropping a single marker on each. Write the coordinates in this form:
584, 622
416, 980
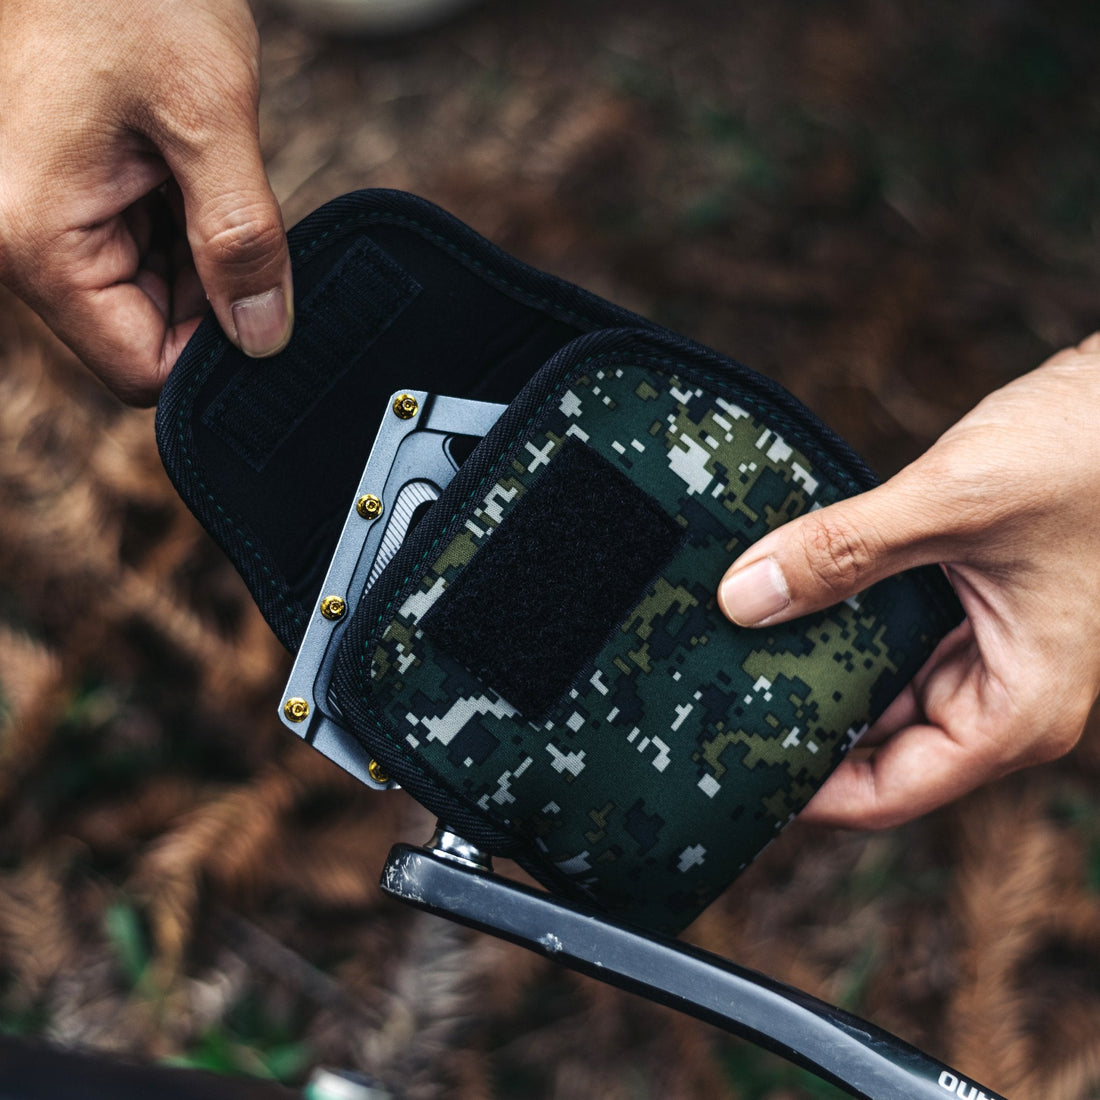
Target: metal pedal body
417, 451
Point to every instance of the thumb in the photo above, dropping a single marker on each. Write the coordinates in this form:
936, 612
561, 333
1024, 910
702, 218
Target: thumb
235, 230
830, 554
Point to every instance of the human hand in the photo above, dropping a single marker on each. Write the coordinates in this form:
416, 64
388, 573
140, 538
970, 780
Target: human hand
131, 183
1009, 501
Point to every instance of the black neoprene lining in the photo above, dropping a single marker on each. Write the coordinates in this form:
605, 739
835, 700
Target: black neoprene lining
538, 600
340, 319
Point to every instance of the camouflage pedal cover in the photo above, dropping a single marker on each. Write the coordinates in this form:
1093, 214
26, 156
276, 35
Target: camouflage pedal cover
544, 663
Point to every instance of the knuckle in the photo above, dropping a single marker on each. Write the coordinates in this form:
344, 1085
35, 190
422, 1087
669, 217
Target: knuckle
838, 553
236, 87
880, 811
190, 108
251, 233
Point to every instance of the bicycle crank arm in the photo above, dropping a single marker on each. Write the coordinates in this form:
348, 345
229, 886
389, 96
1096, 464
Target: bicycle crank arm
452, 879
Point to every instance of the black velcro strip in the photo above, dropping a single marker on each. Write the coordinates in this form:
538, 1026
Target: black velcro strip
540, 598
338, 320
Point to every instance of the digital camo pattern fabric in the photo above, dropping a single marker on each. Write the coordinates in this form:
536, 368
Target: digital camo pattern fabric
687, 743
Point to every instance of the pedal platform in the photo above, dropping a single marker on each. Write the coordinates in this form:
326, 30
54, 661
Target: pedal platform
421, 443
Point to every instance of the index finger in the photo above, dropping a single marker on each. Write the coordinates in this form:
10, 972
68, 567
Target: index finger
126, 318
917, 770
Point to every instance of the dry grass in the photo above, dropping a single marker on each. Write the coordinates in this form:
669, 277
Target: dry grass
891, 210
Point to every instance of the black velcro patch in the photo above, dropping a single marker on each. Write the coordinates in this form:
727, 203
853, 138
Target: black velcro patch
540, 598
338, 320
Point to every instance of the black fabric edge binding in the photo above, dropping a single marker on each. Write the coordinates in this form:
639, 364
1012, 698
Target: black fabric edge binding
340, 218
653, 350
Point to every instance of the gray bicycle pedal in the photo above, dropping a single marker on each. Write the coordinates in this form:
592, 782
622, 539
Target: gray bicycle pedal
418, 450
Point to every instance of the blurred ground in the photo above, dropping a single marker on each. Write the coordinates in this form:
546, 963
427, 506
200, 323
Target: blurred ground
890, 208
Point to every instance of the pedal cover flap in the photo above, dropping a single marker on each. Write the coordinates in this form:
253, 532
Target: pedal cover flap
391, 292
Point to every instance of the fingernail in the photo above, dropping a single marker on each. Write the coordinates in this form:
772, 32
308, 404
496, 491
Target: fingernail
262, 322
754, 593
